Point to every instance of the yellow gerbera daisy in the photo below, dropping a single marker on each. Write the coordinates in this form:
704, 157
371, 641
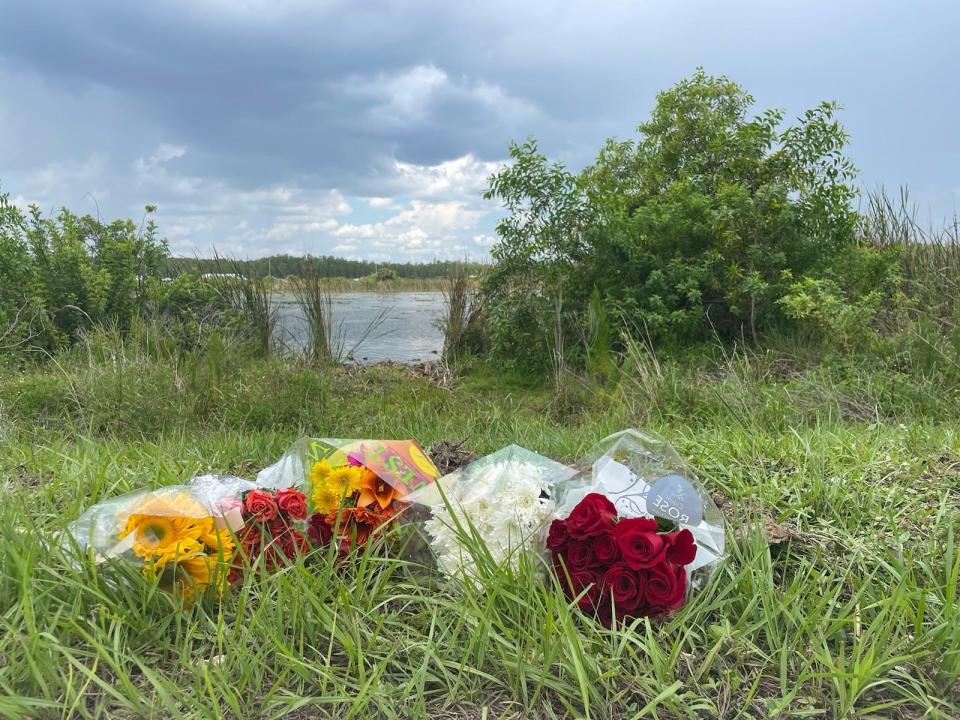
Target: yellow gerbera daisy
345, 479
325, 500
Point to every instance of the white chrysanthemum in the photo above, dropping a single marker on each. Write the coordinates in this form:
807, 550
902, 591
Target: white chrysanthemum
505, 503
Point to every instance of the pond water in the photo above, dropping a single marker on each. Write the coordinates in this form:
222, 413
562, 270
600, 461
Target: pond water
373, 327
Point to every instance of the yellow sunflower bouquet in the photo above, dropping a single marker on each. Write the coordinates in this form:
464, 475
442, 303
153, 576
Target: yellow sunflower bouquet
177, 535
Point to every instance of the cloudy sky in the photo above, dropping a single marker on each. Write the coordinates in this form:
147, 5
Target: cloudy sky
368, 128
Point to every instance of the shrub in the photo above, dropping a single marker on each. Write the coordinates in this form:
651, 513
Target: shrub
706, 224
62, 275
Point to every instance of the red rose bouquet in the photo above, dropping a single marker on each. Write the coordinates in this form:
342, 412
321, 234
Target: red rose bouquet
619, 567
638, 534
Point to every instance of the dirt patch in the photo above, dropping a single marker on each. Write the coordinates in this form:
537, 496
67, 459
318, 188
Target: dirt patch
449, 456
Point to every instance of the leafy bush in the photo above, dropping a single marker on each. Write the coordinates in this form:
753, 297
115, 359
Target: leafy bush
63, 275
706, 224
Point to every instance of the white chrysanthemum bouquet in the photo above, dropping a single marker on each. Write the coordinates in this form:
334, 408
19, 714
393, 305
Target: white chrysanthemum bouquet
503, 500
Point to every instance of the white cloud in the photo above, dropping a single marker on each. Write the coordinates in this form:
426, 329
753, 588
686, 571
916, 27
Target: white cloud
433, 211
165, 153
461, 176
422, 230
410, 98
380, 203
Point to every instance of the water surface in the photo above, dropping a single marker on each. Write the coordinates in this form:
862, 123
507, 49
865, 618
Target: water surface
399, 326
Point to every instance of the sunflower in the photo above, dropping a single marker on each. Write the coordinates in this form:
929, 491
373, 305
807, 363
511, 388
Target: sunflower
220, 543
338, 483
199, 568
163, 530
217, 540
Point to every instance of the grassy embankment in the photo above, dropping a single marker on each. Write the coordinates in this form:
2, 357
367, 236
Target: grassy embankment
840, 483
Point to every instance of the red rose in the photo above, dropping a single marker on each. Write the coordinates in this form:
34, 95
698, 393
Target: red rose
260, 505
558, 536
604, 610
318, 530
592, 516
626, 586
585, 582
681, 549
277, 527
644, 524
605, 549
250, 541
292, 502
580, 555
666, 587
293, 543
639, 547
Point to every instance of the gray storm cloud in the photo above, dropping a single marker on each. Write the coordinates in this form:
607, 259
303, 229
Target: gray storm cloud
369, 129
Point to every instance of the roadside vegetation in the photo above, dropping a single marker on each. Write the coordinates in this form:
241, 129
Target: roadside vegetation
715, 280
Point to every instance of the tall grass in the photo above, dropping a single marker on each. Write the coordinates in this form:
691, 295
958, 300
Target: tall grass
838, 599
930, 256
312, 292
249, 296
345, 285
460, 301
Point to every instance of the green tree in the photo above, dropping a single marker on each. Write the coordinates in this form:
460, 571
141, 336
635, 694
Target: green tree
702, 224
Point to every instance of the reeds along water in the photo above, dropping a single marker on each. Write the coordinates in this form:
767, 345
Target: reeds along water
313, 295
248, 295
460, 302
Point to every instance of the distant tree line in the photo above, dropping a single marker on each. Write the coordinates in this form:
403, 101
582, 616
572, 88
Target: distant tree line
281, 266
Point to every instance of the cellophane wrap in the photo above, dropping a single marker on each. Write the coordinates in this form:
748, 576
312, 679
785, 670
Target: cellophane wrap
177, 533
644, 476
503, 500
353, 487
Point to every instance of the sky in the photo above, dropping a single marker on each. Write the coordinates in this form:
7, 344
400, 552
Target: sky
368, 128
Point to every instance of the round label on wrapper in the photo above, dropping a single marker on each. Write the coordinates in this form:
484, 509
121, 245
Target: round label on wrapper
673, 498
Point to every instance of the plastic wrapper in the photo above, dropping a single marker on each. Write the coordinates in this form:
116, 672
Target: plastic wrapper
494, 510
639, 534
354, 488
178, 535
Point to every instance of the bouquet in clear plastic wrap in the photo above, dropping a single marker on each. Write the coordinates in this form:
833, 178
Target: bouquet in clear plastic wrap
353, 487
638, 535
503, 500
178, 535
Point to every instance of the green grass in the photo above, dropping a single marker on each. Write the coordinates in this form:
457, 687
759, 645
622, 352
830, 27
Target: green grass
840, 484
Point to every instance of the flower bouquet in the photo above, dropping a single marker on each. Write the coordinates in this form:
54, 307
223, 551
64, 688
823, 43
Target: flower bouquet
638, 535
499, 505
272, 532
353, 487
177, 535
